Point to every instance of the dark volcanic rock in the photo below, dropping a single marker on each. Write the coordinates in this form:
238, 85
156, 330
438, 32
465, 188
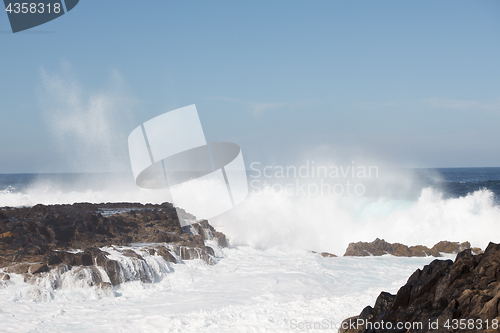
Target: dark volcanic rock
20, 268
166, 255
379, 247
32, 233
190, 253
221, 239
451, 247
42, 238
51, 259
326, 254
455, 247
68, 258
111, 267
38, 268
443, 292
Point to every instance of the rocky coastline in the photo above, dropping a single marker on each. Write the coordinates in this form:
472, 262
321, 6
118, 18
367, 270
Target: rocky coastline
49, 241
104, 245
445, 296
380, 247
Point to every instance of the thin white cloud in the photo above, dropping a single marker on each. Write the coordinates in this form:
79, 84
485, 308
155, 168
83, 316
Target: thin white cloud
372, 105
227, 99
449, 103
260, 108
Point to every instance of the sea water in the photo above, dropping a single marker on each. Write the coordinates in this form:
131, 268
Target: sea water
268, 280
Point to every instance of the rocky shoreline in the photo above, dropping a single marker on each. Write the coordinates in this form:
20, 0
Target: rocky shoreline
444, 296
49, 241
104, 245
380, 247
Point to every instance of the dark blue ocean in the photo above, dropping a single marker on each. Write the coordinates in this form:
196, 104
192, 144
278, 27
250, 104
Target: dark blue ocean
458, 182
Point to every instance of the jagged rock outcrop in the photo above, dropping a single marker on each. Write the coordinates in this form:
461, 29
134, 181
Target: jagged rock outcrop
443, 296
42, 239
326, 254
380, 247
455, 247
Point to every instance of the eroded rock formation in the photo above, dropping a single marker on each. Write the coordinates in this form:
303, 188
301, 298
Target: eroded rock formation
444, 296
380, 247
59, 238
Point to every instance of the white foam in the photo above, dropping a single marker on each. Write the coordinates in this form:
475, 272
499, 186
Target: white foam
330, 223
47, 195
248, 290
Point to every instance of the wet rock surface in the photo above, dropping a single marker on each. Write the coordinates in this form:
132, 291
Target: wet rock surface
42, 238
445, 296
380, 247
455, 247
325, 254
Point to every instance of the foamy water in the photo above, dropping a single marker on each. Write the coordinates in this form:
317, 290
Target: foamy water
330, 223
248, 290
269, 281
320, 223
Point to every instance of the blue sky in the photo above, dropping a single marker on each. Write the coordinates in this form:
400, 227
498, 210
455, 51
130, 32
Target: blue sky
404, 83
